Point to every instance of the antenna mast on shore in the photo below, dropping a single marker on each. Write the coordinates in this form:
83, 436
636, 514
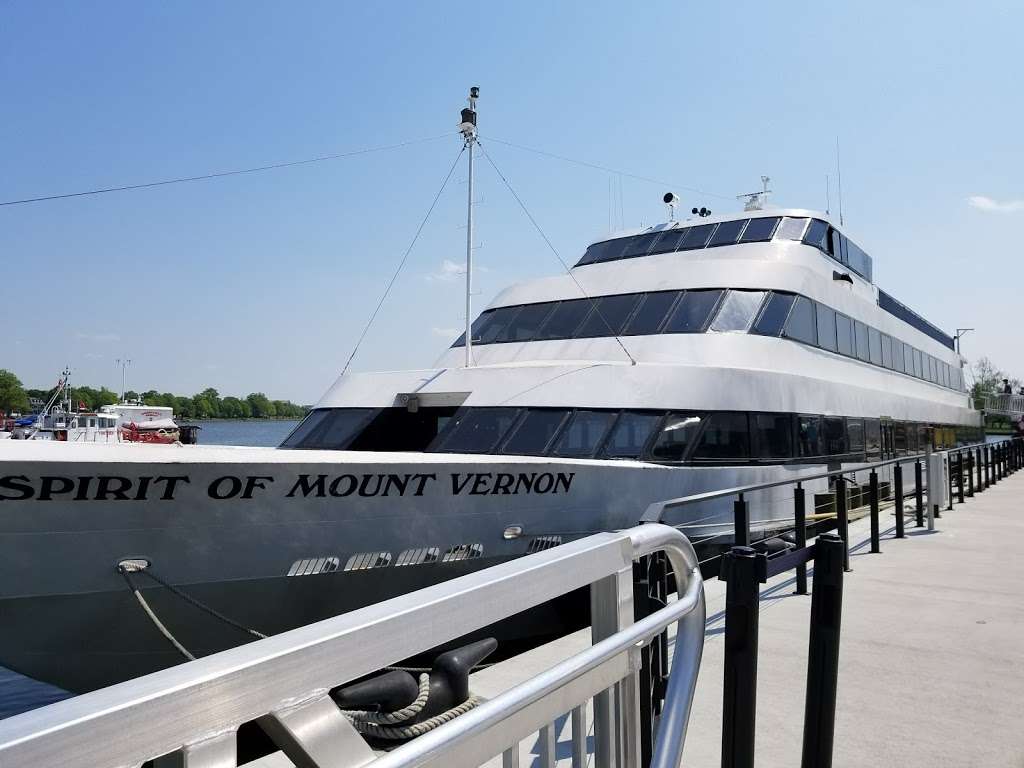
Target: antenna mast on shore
124, 362
468, 130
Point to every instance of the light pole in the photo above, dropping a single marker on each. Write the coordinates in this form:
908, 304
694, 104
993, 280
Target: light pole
960, 332
124, 363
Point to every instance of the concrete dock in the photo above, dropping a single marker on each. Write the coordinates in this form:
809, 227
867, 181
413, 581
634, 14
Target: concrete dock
931, 658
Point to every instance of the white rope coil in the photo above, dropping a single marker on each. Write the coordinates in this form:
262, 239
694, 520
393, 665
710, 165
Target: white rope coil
384, 725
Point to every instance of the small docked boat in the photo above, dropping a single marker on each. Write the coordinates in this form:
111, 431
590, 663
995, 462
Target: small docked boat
141, 423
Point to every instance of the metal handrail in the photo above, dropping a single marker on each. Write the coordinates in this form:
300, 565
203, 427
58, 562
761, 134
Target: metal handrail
283, 681
1003, 404
655, 512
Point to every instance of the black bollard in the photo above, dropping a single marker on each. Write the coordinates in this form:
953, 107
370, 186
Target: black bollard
823, 653
919, 494
897, 481
741, 522
979, 463
843, 519
800, 520
873, 500
960, 477
739, 695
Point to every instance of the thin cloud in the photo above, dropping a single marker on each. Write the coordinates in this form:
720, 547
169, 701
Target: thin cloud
448, 271
990, 205
99, 338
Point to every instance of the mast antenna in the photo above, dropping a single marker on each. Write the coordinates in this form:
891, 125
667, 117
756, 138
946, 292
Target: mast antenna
839, 181
756, 201
468, 130
124, 363
828, 196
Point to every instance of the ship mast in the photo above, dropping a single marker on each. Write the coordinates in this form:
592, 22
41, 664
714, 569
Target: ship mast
468, 130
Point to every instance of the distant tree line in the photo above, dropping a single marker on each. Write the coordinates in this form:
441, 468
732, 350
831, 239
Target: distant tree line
208, 404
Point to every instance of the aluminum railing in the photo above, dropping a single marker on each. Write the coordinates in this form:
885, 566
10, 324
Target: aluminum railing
191, 713
1003, 405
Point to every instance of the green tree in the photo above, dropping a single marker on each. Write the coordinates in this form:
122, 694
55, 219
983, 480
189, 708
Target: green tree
262, 408
12, 396
105, 397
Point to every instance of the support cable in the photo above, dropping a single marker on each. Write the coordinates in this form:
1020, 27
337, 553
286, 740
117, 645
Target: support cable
222, 174
401, 264
606, 169
561, 261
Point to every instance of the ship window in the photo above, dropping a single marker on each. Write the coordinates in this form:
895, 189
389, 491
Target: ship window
760, 230
692, 312
875, 346
476, 430
535, 432
873, 438
640, 245
696, 237
945, 375
801, 325
855, 435
671, 239
791, 229
918, 364
651, 314
844, 337
773, 435
676, 435
727, 233
526, 325
566, 318
630, 435
328, 428
808, 432
726, 436
908, 361
899, 437
773, 316
599, 252
496, 323
835, 435
815, 234
859, 261
897, 356
738, 311
887, 351
827, 328
838, 248
913, 445
860, 337
478, 325
933, 370
609, 316
582, 437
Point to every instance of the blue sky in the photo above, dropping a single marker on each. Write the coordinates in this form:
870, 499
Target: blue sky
263, 281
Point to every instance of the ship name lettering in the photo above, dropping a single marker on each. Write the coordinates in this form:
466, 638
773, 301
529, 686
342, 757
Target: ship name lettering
368, 485
90, 488
512, 484
236, 487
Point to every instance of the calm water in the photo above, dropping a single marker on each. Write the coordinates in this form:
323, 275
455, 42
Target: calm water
19, 694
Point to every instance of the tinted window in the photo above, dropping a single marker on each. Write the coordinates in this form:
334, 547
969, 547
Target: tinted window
912, 434
801, 323
873, 438
835, 435
676, 435
478, 325
899, 437
641, 245
759, 230
918, 364
887, 351
844, 328
670, 240
727, 233
598, 252
860, 337
525, 325
859, 261
496, 323
651, 314
535, 431
565, 319
816, 233
772, 434
697, 237
693, 311
609, 315
908, 362
933, 370
855, 435
476, 430
328, 428
875, 346
630, 434
826, 328
583, 436
725, 437
897, 355
737, 311
773, 316
791, 229
808, 435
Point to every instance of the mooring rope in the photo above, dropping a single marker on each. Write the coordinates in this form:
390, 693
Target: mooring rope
126, 572
384, 725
